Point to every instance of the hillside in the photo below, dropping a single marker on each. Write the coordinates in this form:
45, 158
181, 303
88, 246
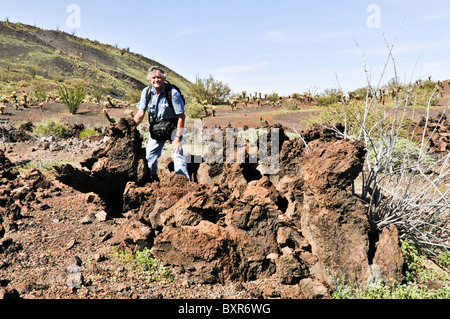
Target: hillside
31, 57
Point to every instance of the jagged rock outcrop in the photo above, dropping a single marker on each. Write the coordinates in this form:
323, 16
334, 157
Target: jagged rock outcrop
235, 224
109, 169
333, 220
388, 259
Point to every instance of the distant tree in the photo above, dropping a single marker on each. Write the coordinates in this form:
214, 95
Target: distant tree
209, 90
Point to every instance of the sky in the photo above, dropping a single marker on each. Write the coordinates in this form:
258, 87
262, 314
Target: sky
282, 46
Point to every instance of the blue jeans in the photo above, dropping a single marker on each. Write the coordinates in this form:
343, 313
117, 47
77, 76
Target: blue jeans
154, 149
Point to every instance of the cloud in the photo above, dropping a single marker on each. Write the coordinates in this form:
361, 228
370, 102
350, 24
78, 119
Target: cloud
275, 36
432, 17
186, 31
234, 69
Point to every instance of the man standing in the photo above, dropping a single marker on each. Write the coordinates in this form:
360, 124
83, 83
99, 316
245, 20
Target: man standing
163, 105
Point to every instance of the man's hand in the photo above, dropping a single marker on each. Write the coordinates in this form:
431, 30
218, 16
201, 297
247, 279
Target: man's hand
176, 145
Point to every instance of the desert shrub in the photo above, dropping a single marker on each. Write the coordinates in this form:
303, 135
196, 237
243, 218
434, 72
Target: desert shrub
87, 133
143, 261
443, 259
290, 105
97, 93
33, 72
402, 184
147, 262
72, 96
420, 96
357, 118
328, 97
40, 93
405, 153
325, 100
194, 110
212, 91
52, 128
273, 97
43, 166
411, 290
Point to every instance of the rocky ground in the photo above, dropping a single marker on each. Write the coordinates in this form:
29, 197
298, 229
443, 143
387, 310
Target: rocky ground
57, 226
47, 227
58, 242
230, 233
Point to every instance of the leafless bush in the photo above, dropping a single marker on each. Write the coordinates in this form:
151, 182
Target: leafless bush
402, 183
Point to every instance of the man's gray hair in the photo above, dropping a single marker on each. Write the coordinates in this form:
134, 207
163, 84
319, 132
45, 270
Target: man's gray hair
153, 69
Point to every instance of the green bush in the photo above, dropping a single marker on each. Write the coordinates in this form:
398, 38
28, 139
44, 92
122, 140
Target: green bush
420, 95
273, 97
328, 97
353, 117
443, 259
194, 110
144, 262
326, 100
210, 90
72, 96
52, 128
405, 154
40, 93
87, 133
290, 105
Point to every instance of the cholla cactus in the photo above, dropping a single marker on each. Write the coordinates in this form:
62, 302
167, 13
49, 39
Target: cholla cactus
231, 103
13, 97
23, 100
109, 103
110, 120
246, 100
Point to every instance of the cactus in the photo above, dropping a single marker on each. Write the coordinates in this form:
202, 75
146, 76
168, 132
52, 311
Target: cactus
110, 120
72, 97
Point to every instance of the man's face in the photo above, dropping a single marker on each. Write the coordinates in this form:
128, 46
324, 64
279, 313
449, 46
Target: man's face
157, 80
